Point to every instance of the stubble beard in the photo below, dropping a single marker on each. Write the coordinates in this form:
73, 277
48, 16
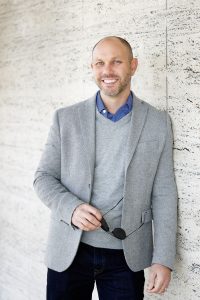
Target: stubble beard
122, 85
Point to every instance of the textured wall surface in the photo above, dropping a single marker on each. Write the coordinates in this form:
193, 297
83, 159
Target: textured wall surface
45, 51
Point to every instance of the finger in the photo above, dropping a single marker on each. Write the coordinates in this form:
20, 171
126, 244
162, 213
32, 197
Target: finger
84, 215
79, 220
87, 224
92, 219
89, 209
163, 288
83, 226
151, 280
94, 211
157, 286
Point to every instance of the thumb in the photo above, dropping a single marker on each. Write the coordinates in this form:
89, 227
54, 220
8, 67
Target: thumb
151, 280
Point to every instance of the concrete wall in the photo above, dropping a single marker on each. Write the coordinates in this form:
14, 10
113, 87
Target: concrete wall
45, 49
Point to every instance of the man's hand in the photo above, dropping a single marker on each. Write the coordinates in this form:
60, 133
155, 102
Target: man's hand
86, 217
159, 278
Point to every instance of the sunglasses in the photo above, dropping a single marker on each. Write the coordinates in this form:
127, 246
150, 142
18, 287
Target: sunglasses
118, 233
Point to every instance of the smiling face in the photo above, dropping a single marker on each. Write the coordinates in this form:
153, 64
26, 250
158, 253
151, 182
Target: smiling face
113, 67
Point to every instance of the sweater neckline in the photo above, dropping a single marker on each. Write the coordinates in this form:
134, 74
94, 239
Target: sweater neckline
107, 122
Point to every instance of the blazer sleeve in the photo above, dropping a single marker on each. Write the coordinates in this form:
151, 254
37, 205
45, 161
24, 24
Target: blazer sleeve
164, 204
47, 179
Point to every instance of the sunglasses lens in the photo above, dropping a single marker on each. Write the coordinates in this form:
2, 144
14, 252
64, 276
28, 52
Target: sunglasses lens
104, 225
119, 233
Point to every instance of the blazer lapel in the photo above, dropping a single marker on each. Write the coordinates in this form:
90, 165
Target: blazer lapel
138, 119
87, 114
137, 122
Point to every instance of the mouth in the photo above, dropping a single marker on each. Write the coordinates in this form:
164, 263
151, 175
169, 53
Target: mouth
109, 81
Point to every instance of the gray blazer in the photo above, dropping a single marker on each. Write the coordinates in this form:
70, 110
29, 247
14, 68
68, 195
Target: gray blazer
64, 179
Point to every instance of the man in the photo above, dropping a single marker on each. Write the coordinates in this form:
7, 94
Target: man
106, 172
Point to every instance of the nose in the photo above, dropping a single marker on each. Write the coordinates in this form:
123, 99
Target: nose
108, 70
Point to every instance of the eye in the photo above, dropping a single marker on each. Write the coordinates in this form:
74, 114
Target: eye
117, 62
99, 63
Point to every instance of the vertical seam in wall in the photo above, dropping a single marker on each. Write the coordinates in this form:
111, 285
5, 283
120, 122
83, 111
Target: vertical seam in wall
166, 57
82, 63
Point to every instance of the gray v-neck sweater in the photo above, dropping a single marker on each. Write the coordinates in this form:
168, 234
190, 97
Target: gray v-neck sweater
109, 176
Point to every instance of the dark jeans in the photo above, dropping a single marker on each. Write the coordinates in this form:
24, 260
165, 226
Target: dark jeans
114, 279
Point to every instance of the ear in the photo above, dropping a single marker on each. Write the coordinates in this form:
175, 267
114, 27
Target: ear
91, 65
134, 64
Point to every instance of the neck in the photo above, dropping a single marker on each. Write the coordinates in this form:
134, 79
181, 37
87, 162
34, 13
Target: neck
113, 103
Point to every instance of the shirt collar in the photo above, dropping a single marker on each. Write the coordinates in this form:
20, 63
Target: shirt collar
101, 106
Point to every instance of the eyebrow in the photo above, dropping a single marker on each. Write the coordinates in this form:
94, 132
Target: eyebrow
115, 57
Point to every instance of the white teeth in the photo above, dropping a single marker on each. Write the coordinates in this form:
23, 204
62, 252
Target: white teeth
109, 80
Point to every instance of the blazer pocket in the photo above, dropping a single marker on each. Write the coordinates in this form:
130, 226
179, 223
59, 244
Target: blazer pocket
147, 216
148, 146
55, 217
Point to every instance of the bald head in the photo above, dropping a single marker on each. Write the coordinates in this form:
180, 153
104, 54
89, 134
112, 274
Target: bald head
120, 40
113, 66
